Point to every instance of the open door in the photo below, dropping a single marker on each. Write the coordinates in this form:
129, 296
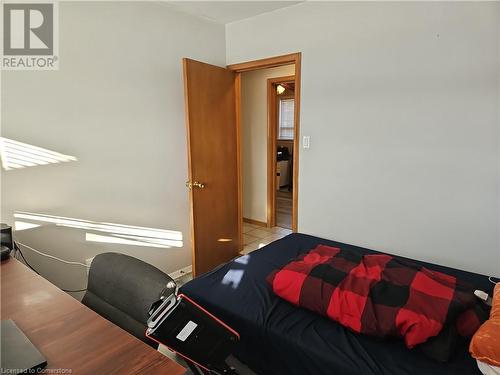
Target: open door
213, 154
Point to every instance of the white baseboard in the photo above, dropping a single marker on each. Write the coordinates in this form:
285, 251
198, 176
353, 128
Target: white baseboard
180, 273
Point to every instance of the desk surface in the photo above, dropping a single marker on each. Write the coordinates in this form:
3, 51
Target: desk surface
70, 335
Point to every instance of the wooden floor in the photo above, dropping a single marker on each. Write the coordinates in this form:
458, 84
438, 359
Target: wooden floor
284, 206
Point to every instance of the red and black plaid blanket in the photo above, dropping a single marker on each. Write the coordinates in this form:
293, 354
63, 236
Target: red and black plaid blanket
374, 294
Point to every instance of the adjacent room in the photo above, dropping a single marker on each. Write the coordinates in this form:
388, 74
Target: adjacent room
267, 117
250, 187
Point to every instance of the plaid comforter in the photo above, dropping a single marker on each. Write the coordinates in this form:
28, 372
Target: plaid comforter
373, 294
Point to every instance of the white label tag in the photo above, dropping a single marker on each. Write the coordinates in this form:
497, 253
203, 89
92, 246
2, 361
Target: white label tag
186, 331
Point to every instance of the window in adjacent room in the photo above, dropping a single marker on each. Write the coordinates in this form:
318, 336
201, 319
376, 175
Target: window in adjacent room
286, 119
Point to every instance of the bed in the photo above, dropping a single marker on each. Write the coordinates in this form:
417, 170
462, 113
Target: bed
279, 338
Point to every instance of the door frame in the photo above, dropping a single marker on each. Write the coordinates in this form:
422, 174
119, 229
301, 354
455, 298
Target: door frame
271, 62
272, 122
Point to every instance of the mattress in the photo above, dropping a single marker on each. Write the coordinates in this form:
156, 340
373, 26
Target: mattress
279, 338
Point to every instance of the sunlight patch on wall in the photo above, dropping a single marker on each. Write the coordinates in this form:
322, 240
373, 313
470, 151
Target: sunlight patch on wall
22, 225
137, 241
116, 233
16, 155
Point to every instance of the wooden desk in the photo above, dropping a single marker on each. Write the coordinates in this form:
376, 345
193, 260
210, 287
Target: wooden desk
70, 335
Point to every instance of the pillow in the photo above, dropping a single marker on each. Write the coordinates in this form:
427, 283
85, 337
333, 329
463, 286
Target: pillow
485, 344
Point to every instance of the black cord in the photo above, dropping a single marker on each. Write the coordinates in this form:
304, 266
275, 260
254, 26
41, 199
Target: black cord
24, 259
18, 249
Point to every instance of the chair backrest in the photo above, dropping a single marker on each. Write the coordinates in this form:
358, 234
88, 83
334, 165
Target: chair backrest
122, 288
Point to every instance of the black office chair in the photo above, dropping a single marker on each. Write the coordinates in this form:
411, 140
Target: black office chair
122, 289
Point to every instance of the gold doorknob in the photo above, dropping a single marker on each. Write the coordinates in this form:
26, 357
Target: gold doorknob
199, 185
196, 184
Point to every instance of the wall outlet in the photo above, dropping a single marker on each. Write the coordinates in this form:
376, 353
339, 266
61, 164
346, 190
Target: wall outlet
88, 262
180, 273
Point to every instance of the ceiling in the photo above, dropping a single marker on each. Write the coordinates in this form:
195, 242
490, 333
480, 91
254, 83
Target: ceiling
228, 11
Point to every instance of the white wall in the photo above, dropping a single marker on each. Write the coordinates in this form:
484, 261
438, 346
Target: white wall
117, 105
254, 139
401, 101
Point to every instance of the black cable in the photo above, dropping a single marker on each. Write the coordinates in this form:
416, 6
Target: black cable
24, 259
18, 249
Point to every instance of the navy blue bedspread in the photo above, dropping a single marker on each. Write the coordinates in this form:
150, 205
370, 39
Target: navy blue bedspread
279, 338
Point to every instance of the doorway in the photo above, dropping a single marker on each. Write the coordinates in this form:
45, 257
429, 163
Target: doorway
281, 121
288, 196
267, 133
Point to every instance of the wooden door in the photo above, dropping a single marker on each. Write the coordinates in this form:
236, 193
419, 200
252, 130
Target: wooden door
213, 153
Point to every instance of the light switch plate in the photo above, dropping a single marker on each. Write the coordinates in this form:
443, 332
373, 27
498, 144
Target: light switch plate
306, 141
